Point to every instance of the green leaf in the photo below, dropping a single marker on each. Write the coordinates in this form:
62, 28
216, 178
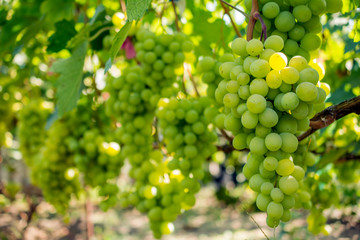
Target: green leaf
57, 10
69, 82
65, 30
118, 41
136, 8
99, 13
330, 157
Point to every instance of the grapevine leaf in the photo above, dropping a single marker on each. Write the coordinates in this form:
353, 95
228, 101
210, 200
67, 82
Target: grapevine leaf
118, 41
330, 157
136, 9
29, 33
99, 13
69, 82
57, 10
65, 30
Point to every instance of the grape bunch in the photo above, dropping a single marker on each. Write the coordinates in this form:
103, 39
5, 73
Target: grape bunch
55, 171
161, 58
208, 67
187, 134
31, 128
297, 22
267, 100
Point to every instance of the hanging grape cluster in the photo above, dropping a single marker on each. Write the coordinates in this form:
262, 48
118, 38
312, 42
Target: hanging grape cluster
267, 100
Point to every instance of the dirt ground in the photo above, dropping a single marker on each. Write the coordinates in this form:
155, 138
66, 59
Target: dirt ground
207, 220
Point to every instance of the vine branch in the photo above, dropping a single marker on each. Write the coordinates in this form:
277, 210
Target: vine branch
252, 19
348, 157
227, 11
176, 17
237, 9
331, 114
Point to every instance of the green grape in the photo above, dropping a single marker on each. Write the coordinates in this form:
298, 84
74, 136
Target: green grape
254, 47
283, 35
239, 47
275, 210
298, 173
309, 75
277, 195
301, 111
231, 100
262, 201
271, 10
290, 142
225, 69
256, 181
307, 92
239, 141
302, 13
291, 47
297, 33
285, 167
310, 42
243, 78
278, 61
313, 25
257, 146
299, 63
256, 103
273, 142
317, 6
247, 63
288, 185
333, 6
249, 120
259, 68
232, 123
266, 188
289, 101
285, 21
270, 163
288, 202
268, 118
289, 75
259, 86
274, 42
273, 79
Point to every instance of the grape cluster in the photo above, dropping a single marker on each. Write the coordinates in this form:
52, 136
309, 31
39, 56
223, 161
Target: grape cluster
54, 171
31, 128
297, 22
161, 58
267, 100
133, 101
186, 134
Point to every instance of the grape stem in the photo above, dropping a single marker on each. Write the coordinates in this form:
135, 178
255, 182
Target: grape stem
331, 114
237, 9
252, 20
227, 11
176, 17
347, 157
263, 26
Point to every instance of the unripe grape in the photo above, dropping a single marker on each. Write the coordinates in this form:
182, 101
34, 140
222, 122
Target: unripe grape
254, 47
275, 43
275, 210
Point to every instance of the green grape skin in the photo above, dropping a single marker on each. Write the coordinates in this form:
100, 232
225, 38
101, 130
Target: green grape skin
270, 163
257, 146
317, 7
243, 78
285, 21
288, 202
256, 181
272, 222
232, 123
256, 103
275, 43
266, 54
289, 101
288, 185
273, 142
289, 75
239, 47
302, 13
334, 6
290, 142
271, 10
277, 195
298, 173
297, 33
249, 120
287, 124
262, 201
259, 86
307, 92
239, 141
299, 63
310, 42
291, 47
231, 100
259, 68
309, 75
225, 69
275, 210
268, 118
283, 35
273, 79
285, 167
266, 188
301, 111
254, 47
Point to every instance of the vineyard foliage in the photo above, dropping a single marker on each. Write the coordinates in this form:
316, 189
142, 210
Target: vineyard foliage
91, 91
